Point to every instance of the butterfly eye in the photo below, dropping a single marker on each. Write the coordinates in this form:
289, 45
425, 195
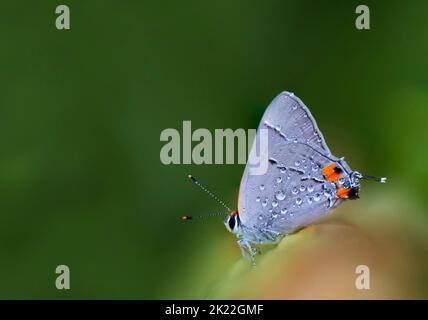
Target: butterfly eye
231, 222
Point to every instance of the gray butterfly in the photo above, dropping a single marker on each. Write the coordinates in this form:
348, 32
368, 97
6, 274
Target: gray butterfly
303, 182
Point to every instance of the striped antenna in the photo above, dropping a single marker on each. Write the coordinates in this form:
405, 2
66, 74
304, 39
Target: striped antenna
186, 217
195, 181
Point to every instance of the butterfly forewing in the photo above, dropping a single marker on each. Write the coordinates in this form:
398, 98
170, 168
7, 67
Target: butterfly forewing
292, 193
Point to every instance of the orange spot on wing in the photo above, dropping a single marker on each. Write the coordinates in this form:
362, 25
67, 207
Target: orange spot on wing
332, 176
329, 173
342, 193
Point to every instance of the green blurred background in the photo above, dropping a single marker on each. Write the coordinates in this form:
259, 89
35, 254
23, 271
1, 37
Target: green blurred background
81, 112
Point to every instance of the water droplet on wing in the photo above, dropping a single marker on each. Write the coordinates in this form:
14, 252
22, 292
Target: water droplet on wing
280, 195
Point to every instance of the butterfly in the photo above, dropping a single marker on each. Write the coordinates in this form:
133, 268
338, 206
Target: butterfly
303, 182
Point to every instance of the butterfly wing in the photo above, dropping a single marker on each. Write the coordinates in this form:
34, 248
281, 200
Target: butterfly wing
293, 192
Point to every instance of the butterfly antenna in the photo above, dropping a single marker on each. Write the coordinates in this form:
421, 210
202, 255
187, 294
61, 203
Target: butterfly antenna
195, 181
186, 217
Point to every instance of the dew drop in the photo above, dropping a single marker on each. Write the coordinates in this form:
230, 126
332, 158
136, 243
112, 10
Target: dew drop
297, 163
264, 203
282, 170
310, 188
260, 217
294, 106
310, 200
298, 201
262, 187
302, 188
278, 128
284, 210
280, 195
294, 191
317, 197
278, 180
258, 199
274, 203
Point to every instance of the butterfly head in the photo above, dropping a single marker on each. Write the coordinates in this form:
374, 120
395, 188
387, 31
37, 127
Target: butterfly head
232, 222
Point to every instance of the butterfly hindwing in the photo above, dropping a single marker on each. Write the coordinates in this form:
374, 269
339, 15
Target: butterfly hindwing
293, 191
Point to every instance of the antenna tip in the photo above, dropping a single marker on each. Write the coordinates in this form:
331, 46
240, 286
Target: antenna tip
186, 217
382, 180
190, 177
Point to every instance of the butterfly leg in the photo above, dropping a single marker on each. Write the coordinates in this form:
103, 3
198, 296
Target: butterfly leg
271, 236
247, 251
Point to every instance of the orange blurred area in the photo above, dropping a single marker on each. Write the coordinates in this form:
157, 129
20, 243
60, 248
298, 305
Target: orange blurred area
320, 262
